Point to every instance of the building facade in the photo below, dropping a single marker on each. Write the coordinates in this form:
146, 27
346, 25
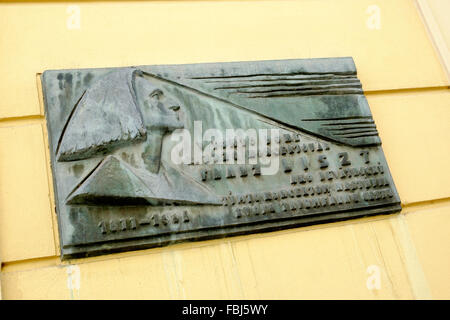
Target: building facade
400, 48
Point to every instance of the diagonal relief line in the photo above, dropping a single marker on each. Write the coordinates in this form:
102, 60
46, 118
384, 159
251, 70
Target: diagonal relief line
261, 116
67, 123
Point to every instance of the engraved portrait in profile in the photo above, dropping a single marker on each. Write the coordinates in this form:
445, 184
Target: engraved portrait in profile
112, 114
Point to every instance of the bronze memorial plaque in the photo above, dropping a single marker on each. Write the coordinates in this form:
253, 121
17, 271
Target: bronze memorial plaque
147, 156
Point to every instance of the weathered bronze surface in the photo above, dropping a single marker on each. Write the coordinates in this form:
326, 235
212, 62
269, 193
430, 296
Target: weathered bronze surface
142, 156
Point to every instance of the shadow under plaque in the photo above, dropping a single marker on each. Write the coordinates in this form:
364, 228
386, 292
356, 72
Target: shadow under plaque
147, 156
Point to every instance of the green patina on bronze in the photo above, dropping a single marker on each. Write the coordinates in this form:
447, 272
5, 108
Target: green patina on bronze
118, 188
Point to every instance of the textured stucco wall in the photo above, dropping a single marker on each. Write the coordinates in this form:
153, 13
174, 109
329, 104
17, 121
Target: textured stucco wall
407, 89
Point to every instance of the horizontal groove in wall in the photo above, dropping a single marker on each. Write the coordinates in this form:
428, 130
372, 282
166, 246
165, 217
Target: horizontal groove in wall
20, 121
422, 205
407, 90
30, 264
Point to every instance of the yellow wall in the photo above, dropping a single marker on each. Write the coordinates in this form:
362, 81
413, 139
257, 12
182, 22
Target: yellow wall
406, 86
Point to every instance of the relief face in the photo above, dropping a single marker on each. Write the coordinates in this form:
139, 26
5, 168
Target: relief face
152, 155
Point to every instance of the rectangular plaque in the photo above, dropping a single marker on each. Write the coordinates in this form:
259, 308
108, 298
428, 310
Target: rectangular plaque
152, 155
